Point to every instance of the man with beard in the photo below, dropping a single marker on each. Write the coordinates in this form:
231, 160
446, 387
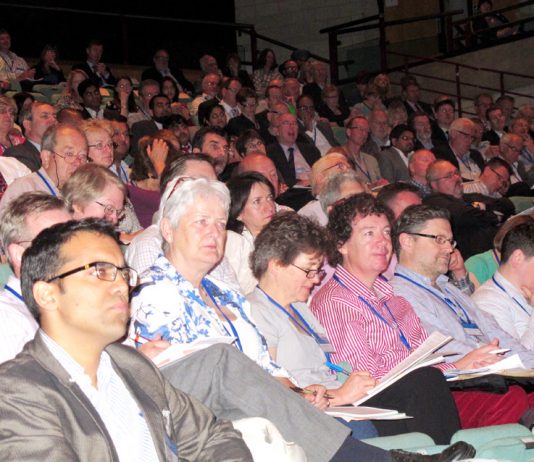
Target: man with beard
160, 109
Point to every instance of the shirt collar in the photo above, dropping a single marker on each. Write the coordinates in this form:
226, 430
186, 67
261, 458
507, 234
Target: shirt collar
510, 288
351, 282
441, 279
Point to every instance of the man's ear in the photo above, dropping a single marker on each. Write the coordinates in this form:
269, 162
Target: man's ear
14, 252
405, 241
343, 249
46, 158
45, 295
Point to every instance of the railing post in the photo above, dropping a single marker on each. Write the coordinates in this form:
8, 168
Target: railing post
332, 50
382, 39
458, 89
449, 43
501, 83
253, 47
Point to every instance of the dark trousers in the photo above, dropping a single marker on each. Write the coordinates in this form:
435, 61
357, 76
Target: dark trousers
424, 395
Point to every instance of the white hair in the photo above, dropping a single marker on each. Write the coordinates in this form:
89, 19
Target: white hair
187, 194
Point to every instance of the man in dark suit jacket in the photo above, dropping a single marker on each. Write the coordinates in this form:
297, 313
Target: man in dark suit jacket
497, 122
458, 150
35, 120
160, 107
411, 95
473, 218
317, 132
293, 159
96, 70
162, 69
444, 115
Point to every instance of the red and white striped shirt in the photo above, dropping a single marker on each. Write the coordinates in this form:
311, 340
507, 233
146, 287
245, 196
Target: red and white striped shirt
358, 335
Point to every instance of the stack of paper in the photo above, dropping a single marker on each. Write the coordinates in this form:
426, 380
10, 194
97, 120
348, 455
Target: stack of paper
423, 356
512, 363
349, 413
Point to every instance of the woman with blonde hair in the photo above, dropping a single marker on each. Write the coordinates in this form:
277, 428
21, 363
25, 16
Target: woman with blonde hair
70, 97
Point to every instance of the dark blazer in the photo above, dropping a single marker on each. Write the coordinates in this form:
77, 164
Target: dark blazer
438, 136
427, 109
492, 137
392, 167
100, 81
444, 151
324, 128
140, 129
26, 153
473, 228
154, 74
277, 155
45, 416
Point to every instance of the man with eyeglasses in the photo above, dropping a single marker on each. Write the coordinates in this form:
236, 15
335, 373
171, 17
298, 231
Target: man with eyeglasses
25, 217
474, 217
292, 158
393, 162
458, 150
425, 246
63, 150
317, 131
379, 130
75, 282
161, 68
493, 181
510, 147
35, 120
211, 84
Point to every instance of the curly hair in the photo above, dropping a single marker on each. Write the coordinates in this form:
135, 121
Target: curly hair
341, 220
286, 237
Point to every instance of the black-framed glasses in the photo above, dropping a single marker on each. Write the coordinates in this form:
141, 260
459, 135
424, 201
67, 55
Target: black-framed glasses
104, 271
71, 157
440, 240
499, 176
448, 176
110, 210
312, 273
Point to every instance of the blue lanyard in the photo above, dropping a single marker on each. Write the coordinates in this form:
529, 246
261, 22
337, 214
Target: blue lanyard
366, 173
450, 303
497, 259
402, 337
47, 184
121, 169
230, 323
301, 322
506, 292
14, 292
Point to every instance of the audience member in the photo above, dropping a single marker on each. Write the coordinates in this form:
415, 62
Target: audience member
393, 161
160, 109
420, 123
94, 68
233, 69
91, 100
35, 120
332, 106
493, 181
9, 135
70, 97
266, 71
379, 133
147, 90
212, 142
444, 115
318, 131
483, 102
418, 167
411, 93
47, 70
12, 67
161, 69
246, 120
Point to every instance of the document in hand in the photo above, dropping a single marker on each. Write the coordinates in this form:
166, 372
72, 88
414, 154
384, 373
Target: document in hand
512, 364
421, 357
349, 413
178, 351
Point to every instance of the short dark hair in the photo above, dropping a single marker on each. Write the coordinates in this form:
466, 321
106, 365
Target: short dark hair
262, 59
43, 258
240, 187
398, 130
115, 117
443, 102
414, 115
178, 166
520, 237
491, 109
244, 138
414, 218
342, 216
244, 94
200, 135
495, 162
389, 192
85, 85
283, 239
152, 101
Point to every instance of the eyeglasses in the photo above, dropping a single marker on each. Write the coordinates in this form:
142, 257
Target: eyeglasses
440, 240
312, 273
448, 176
342, 166
101, 146
110, 210
71, 157
11, 112
502, 179
254, 144
514, 148
104, 271
471, 137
